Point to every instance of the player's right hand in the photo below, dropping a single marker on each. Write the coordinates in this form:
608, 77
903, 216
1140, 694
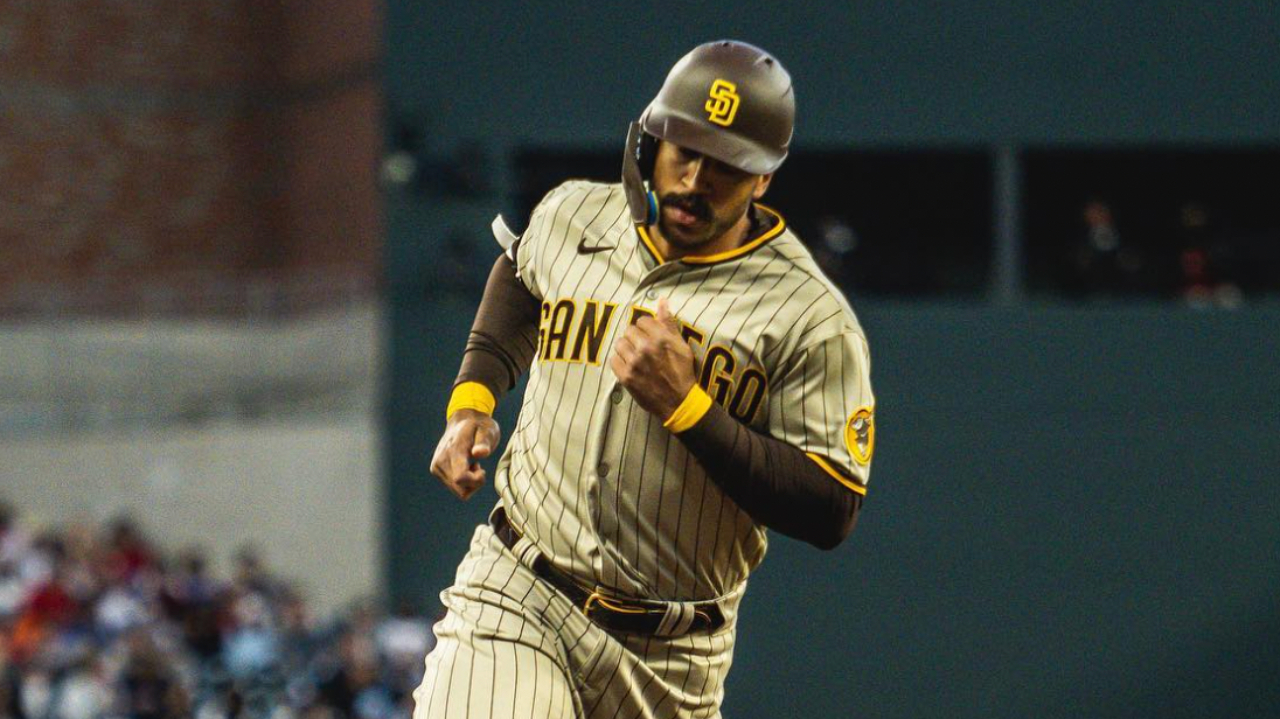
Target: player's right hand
469, 436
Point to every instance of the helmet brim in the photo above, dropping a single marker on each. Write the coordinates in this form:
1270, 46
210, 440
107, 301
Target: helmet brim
724, 145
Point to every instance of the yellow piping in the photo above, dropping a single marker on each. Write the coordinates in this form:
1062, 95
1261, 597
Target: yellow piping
653, 249
738, 251
839, 477
719, 256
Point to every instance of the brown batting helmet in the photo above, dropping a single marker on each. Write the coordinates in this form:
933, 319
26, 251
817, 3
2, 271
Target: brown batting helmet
728, 100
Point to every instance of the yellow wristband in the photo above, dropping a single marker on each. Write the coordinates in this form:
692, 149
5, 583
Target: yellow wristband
471, 395
694, 406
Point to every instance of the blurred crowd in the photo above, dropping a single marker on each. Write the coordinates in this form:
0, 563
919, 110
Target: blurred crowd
96, 621
1195, 262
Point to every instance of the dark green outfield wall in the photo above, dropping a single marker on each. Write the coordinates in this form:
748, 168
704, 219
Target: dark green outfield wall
1073, 512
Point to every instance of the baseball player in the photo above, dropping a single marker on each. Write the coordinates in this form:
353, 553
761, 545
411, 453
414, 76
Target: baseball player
693, 380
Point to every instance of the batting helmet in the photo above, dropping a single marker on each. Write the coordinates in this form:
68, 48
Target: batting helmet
727, 100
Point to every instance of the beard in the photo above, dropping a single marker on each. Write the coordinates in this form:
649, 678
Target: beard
707, 225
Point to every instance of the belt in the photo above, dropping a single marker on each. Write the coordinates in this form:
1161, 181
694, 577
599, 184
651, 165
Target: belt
633, 616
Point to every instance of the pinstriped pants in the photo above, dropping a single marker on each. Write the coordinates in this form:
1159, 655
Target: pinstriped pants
511, 646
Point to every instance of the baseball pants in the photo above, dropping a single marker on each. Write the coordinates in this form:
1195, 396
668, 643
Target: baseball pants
512, 647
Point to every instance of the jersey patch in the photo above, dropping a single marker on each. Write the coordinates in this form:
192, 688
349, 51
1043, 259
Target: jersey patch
860, 434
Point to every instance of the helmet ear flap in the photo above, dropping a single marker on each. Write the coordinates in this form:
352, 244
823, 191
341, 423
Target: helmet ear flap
637, 173
647, 155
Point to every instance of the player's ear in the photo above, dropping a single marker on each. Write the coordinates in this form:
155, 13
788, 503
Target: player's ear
762, 186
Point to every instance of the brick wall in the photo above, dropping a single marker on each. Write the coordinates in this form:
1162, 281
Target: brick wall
167, 152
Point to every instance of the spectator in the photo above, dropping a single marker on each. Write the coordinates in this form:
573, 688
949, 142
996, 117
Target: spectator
47, 609
1204, 260
82, 692
403, 641
190, 598
127, 553
357, 673
1102, 262
149, 689
252, 643
251, 577
10, 682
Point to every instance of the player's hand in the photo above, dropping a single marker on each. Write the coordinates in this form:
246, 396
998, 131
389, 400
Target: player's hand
655, 363
469, 436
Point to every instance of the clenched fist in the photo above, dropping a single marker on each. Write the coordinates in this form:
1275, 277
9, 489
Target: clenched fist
469, 435
655, 363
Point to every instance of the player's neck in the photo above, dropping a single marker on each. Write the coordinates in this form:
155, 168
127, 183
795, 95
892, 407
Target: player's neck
730, 239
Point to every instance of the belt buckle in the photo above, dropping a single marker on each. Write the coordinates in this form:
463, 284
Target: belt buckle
598, 600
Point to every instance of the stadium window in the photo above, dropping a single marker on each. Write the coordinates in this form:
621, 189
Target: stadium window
1194, 224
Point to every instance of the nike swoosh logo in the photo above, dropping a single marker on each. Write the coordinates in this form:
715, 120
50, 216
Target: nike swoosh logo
584, 250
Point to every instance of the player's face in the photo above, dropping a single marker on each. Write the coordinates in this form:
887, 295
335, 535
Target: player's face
700, 197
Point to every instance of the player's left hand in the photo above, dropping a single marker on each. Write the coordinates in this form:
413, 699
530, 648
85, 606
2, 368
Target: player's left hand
655, 363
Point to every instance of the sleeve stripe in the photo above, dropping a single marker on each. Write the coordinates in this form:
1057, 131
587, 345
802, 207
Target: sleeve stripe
839, 477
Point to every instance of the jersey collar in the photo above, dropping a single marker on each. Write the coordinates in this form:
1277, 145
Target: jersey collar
770, 224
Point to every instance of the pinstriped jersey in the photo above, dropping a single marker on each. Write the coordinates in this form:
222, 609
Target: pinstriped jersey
600, 487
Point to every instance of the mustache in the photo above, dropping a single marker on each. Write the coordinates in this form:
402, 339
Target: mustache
694, 204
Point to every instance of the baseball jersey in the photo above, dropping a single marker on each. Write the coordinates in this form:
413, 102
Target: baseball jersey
595, 481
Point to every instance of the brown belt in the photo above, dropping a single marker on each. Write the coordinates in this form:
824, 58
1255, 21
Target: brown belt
621, 615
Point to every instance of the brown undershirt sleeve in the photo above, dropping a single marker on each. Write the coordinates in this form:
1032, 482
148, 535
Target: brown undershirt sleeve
774, 482
504, 335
